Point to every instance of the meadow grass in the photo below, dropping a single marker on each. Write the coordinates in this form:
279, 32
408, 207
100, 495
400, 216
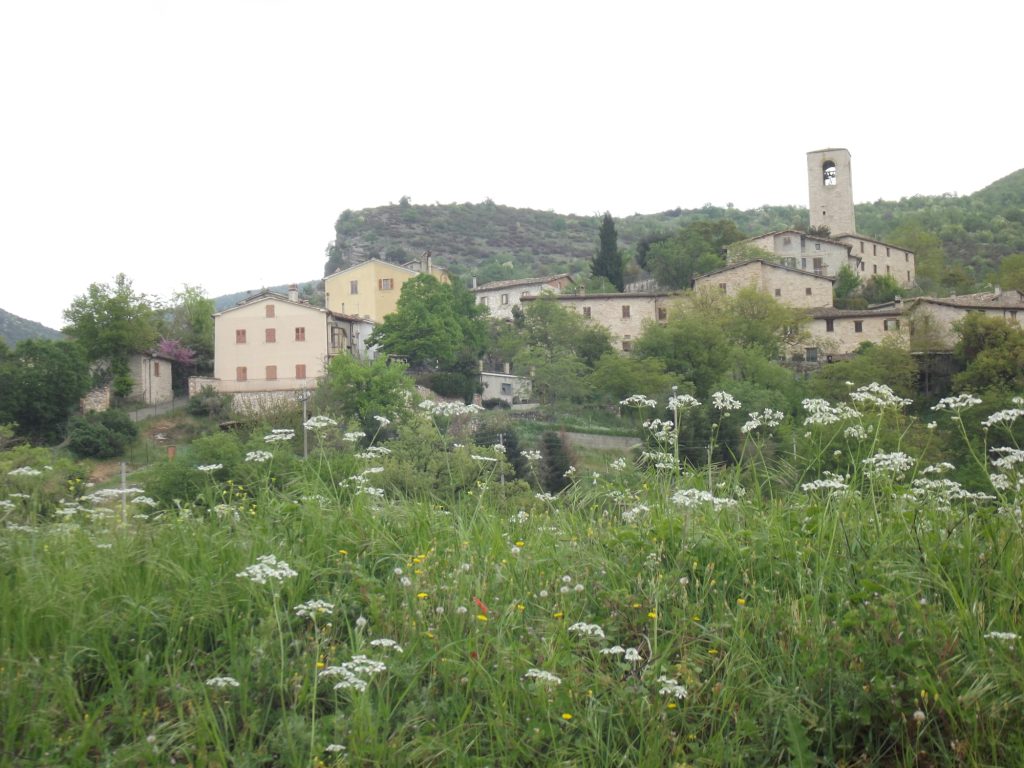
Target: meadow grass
722, 615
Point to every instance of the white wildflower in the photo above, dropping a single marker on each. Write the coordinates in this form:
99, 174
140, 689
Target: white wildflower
382, 420
384, 642
830, 481
956, 403
267, 568
475, 457
723, 401
639, 401
222, 682
543, 676
887, 464
258, 456
1003, 418
1007, 636
334, 748
766, 418
586, 630
435, 408
672, 687
319, 422
373, 452
532, 455
279, 436
855, 432
615, 650
544, 496
821, 412
632, 655
353, 437
619, 463
209, 467
313, 608
878, 395
678, 403
25, 472
692, 497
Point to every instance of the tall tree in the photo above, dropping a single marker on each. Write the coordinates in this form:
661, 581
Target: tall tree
691, 250
41, 382
608, 260
111, 322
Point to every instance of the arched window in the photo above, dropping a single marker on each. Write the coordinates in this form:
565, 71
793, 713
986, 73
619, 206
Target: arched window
828, 173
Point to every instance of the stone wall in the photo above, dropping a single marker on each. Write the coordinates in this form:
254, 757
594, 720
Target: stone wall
96, 400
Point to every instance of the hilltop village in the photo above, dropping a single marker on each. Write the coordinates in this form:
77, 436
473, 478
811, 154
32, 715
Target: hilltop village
271, 343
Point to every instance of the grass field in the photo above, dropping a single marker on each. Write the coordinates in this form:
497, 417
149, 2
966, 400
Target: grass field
843, 605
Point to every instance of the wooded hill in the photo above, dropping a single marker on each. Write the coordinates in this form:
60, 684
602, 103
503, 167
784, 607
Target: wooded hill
14, 329
960, 240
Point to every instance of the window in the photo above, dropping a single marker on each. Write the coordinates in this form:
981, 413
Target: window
386, 284
586, 311
627, 346
803, 263
908, 275
353, 287
504, 298
892, 324
874, 269
506, 388
156, 368
887, 269
241, 374
625, 311
906, 257
240, 336
662, 313
300, 334
830, 326
858, 326
270, 310
485, 300
862, 246
271, 373
828, 173
874, 249
271, 335
778, 292
817, 246
300, 371
807, 291
811, 354
786, 240
886, 251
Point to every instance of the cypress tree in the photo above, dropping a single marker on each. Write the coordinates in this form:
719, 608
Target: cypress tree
608, 260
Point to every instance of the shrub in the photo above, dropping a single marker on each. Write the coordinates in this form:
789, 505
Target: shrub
209, 402
101, 435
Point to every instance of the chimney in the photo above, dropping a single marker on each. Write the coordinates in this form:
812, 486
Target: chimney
293, 293
997, 291
474, 282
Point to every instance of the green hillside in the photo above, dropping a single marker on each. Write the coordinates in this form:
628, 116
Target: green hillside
14, 329
961, 240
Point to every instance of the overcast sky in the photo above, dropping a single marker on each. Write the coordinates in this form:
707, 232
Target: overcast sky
214, 143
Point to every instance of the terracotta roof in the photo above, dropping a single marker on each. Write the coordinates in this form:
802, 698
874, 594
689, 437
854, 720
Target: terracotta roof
521, 281
585, 296
799, 232
267, 294
765, 262
827, 313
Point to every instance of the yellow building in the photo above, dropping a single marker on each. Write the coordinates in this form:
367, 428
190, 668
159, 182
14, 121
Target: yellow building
371, 288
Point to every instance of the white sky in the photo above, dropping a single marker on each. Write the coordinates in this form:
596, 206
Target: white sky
215, 142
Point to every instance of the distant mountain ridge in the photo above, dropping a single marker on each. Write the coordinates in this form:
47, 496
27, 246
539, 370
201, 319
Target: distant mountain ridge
14, 329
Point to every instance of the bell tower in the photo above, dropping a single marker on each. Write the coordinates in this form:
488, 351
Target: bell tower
830, 190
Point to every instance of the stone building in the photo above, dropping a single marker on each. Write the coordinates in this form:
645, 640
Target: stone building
930, 321
623, 314
502, 296
788, 285
833, 332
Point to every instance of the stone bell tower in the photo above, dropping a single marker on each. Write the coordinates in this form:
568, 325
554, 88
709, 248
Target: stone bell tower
830, 189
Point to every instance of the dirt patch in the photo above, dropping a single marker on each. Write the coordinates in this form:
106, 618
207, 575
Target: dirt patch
104, 471
168, 432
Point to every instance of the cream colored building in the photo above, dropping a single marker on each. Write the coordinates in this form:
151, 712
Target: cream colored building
833, 332
788, 285
502, 296
371, 288
270, 342
623, 314
821, 256
151, 377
